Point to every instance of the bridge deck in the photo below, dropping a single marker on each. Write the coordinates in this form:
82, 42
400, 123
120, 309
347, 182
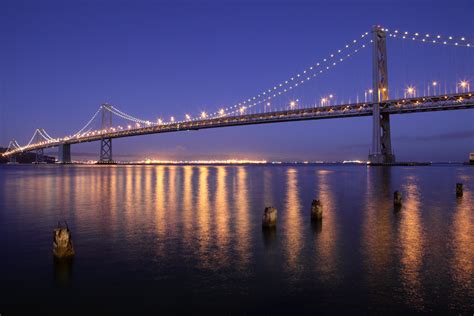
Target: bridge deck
405, 106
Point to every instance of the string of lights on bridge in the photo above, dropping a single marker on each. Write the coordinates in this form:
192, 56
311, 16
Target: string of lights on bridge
430, 38
294, 81
265, 96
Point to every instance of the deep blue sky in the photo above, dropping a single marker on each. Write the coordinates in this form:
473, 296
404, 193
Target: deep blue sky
60, 60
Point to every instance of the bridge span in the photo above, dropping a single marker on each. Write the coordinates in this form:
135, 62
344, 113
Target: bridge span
380, 107
401, 106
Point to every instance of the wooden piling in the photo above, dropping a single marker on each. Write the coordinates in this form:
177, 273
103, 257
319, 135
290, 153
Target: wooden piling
316, 210
269, 217
397, 198
459, 190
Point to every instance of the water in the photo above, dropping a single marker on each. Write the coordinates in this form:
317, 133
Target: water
189, 239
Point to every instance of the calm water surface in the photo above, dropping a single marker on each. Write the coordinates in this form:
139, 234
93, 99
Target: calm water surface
189, 239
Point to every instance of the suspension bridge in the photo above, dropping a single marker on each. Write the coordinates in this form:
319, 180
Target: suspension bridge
376, 104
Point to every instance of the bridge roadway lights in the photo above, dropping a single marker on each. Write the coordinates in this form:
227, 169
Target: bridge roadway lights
64, 153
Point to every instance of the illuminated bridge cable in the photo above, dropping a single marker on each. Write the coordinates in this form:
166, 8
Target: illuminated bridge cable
47, 135
299, 78
427, 38
126, 116
11, 146
31, 140
88, 123
298, 83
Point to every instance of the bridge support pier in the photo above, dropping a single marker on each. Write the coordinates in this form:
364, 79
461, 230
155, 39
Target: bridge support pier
106, 150
12, 159
381, 140
39, 156
64, 153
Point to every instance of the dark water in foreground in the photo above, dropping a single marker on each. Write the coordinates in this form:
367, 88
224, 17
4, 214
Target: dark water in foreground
189, 239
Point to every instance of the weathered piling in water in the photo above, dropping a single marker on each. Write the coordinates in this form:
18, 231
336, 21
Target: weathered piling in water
62, 243
459, 189
269, 217
397, 198
316, 210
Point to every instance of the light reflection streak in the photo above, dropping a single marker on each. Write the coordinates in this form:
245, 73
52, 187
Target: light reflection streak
268, 187
129, 198
161, 225
188, 190
171, 214
293, 222
462, 244
221, 217
203, 213
377, 230
326, 240
147, 188
411, 244
242, 218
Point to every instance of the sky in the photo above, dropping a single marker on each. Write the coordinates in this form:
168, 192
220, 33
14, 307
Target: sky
154, 59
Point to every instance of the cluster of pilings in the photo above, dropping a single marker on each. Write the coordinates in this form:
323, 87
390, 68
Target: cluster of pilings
269, 218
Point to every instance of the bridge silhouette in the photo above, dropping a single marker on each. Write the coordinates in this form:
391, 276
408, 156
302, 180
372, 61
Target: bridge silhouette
380, 107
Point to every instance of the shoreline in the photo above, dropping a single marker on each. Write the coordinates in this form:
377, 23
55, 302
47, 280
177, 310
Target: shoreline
398, 164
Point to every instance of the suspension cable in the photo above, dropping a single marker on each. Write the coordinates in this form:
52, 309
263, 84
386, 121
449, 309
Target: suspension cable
88, 123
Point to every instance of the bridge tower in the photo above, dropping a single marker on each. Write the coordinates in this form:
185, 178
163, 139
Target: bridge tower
381, 140
39, 153
106, 143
